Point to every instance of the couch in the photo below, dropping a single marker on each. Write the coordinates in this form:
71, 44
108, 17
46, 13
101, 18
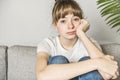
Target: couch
18, 62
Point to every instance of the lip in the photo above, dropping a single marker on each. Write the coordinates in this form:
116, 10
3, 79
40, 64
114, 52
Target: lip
71, 33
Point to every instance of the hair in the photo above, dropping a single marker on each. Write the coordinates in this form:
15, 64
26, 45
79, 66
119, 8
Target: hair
63, 7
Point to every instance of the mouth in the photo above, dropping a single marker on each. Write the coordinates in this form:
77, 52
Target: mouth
71, 33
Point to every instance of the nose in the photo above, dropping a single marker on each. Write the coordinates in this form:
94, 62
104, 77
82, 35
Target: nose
71, 25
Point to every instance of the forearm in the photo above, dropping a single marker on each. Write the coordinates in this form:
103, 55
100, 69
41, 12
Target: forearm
68, 71
93, 51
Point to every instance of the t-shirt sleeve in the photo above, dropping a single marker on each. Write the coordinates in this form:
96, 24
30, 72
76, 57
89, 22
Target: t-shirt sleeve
43, 46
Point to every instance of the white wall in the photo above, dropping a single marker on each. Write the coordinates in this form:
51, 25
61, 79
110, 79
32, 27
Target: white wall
26, 22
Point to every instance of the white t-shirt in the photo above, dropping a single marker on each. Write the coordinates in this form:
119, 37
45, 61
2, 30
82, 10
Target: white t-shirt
53, 47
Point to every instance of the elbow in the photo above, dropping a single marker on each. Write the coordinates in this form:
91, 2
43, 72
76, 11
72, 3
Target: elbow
44, 77
40, 76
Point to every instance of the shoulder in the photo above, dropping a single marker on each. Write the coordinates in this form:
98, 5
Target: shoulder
47, 41
50, 39
46, 44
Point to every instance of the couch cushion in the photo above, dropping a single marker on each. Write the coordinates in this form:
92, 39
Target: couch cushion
3, 62
21, 63
112, 49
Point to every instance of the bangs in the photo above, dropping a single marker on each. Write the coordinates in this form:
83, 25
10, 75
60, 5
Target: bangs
69, 8
66, 7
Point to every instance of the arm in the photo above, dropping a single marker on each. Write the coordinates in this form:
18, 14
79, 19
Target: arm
68, 71
93, 51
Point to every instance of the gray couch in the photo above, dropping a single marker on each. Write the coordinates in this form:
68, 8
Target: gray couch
18, 62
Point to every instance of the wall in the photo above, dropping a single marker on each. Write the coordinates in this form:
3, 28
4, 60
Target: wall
26, 22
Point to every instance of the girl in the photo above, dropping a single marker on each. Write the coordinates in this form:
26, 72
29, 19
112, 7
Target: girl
72, 54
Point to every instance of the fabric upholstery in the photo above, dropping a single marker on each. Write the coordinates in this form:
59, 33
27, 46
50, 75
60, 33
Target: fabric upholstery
21, 63
3, 62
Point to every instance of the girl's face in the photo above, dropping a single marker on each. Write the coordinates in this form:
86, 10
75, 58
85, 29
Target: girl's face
67, 26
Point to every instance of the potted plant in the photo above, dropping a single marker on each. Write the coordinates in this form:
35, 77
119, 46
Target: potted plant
110, 9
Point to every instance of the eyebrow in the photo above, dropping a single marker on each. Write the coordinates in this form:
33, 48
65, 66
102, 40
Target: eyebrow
72, 16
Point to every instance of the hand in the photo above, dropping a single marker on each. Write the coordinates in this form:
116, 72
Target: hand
116, 73
84, 26
109, 66
107, 76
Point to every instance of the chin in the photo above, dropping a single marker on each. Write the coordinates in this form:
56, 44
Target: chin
72, 37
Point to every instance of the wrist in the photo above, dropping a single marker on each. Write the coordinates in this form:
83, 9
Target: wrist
96, 63
81, 34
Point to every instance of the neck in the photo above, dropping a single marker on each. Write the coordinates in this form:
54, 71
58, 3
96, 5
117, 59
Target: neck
67, 43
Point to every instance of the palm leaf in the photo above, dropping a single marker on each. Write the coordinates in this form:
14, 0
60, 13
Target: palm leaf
113, 20
110, 9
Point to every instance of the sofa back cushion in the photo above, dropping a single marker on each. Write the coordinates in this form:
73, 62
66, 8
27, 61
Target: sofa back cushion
112, 49
22, 59
21, 63
3, 62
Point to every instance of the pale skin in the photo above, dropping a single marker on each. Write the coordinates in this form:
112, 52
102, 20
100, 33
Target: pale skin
93, 51
70, 29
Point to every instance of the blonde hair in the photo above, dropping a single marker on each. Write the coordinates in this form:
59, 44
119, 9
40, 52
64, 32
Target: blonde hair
63, 7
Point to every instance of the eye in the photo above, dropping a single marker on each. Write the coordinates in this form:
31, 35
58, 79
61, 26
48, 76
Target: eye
62, 21
76, 19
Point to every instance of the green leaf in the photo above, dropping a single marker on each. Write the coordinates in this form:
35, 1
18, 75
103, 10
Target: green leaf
109, 16
113, 20
102, 1
103, 4
115, 25
118, 30
110, 9
109, 12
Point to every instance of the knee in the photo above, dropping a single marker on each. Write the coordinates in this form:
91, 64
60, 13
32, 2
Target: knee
58, 60
93, 75
84, 58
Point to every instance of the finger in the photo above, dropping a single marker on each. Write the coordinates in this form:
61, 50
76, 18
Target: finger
109, 57
112, 57
84, 21
116, 63
114, 77
117, 73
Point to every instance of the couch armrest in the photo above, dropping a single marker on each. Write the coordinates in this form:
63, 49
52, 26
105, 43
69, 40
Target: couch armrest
3, 63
